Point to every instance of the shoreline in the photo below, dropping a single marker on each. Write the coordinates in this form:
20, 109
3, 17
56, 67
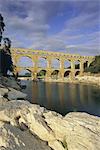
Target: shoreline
88, 80
24, 125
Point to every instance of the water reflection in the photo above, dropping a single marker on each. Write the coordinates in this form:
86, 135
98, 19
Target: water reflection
65, 97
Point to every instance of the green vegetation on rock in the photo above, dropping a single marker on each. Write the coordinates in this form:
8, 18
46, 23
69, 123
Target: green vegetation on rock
94, 66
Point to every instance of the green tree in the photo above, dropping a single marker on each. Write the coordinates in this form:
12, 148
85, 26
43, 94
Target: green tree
2, 25
94, 66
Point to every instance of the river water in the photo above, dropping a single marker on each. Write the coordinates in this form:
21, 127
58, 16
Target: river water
65, 97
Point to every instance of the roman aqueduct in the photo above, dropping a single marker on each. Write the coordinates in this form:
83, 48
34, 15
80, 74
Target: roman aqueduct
49, 56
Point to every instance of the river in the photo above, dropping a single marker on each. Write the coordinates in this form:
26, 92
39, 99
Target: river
65, 97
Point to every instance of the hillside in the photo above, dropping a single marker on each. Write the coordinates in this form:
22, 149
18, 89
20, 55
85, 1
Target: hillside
94, 66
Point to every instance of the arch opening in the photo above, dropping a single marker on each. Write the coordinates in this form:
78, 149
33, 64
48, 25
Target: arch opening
41, 74
77, 73
25, 61
55, 74
24, 73
67, 74
42, 62
85, 64
77, 64
55, 63
67, 64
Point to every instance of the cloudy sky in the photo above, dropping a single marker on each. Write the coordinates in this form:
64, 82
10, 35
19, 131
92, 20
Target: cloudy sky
71, 26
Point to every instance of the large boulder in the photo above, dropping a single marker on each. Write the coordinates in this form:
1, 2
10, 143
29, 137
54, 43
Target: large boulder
15, 94
10, 82
75, 131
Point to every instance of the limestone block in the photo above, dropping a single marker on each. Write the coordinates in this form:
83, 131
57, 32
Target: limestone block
3, 101
14, 94
10, 82
3, 91
12, 138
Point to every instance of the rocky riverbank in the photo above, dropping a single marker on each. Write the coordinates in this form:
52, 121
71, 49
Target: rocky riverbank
95, 80
86, 79
26, 126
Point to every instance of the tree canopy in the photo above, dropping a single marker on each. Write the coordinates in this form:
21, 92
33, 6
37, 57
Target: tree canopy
94, 66
2, 25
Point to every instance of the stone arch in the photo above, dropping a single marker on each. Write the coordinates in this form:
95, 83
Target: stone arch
85, 64
55, 63
77, 64
25, 73
42, 62
55, 74
77, 73
67, 73
67, 64
25, 61
41, 74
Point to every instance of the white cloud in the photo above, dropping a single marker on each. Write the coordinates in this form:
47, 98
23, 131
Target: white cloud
28, 25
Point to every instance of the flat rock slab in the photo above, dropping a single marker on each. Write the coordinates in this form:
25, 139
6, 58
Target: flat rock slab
10, 82
3, 91
3, 101
15, 139
14, 94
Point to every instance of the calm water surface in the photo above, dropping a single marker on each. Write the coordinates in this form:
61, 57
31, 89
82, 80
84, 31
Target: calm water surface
65, 97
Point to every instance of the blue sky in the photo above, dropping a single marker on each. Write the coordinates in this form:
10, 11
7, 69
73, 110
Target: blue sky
71, 26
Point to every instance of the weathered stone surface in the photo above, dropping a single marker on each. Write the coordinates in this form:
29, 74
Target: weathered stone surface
75, 131
12, 138
3, 101
15, 94
20, 119
10, 82
3, 91
1, 86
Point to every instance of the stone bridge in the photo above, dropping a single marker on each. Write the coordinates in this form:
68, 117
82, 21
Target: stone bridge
49, 56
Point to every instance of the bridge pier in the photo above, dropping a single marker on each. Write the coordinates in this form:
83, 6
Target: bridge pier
48, 74
62, 69
81, 68
72, 70
48, 69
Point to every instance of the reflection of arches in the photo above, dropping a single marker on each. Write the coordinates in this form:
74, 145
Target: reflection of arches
41, 74
55, 74
25, 61
77, 73
77, 64
25, 73
42, 62
55, 63
67, 73
67, 64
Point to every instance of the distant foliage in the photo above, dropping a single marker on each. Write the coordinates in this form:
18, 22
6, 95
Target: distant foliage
6, 63
94, 66
2, 25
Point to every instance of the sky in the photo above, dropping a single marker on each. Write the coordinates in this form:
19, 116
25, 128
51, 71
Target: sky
71, 26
